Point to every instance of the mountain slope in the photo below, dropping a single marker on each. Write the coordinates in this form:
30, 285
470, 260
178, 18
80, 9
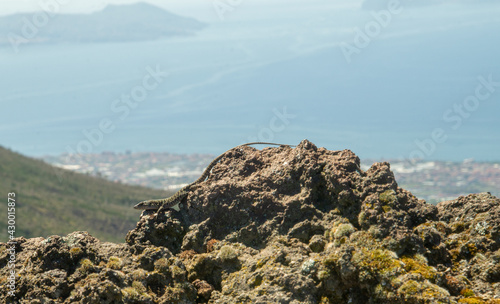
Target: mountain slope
50, 200
139, 21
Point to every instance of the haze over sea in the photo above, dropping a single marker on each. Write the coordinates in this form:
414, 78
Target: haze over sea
395, 97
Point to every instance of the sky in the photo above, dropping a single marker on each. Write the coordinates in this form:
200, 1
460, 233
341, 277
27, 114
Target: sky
200, 9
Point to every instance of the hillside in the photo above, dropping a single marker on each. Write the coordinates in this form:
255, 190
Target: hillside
139, 21
55, 201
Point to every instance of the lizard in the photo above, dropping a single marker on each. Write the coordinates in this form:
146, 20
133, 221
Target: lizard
174, 200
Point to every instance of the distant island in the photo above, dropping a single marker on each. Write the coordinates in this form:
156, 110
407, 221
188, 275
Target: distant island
384, 4
135, 22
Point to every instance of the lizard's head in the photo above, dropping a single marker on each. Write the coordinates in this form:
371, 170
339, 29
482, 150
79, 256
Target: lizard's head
145, 205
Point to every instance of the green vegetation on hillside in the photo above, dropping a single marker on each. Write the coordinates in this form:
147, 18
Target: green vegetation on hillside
52, 201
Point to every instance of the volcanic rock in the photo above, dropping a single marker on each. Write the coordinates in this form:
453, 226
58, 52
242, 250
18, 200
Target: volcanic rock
279, 225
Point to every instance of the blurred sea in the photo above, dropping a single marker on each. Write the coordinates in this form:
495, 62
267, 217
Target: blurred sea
226, 85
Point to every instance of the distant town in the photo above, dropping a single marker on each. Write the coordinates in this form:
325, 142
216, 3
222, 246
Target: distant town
433, 181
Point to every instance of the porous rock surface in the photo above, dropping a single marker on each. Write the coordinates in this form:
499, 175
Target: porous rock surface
280, 225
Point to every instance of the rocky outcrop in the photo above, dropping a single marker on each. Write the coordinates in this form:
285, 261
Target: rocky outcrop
280, 225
